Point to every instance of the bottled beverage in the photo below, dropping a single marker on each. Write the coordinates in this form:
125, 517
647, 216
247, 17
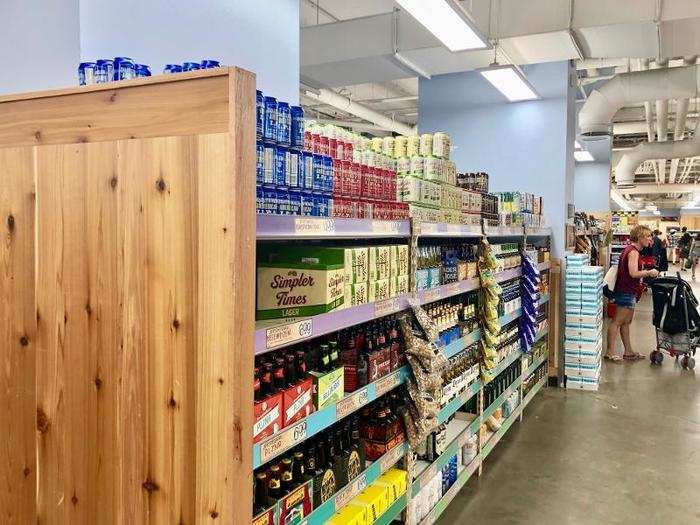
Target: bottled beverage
286, 483
325, 365
298, 469
290, 368
257, 387
279, 377
301, 371
261, 498
266, 382
333, 353
274, 485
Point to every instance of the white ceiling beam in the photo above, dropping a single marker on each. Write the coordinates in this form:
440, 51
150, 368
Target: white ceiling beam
657, 189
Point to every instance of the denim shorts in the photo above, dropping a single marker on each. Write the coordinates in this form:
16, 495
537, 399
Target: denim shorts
625, 300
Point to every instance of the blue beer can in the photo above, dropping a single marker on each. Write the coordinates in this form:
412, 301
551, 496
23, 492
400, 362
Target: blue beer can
268, 164
307, 203
280, 178
270, 123
284, 124
142, 70
209, 64
259, 199
269, 200
297, 117
190, 66
104, 71
283, 207
86, 73
293, 168
306, 170
318, 204
327, 174
259, 114
172, 68
123, 68
295, 202
318, 176
259, 163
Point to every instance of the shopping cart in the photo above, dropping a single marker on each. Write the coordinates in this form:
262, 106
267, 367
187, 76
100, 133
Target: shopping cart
676, 321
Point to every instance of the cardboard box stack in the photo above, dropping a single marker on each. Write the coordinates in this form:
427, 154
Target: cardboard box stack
583, 344
517, 208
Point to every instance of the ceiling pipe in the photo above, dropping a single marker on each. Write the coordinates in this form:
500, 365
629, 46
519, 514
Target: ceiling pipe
657, 189
625, 169
681, 116
644, 65
331, 98
634, 88
661, 124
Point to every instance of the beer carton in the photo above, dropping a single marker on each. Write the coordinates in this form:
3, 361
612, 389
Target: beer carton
398, 285
296, 505
298, 281
378, 290
267, 517
349, 515
329, 387
356, 294
378, 263
297, 402
398, 260
356, 265
268, 417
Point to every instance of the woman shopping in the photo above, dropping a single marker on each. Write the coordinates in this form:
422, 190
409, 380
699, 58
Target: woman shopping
659, 249
627, 286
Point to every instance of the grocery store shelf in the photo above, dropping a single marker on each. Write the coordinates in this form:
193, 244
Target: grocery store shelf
541, 334
460, 344
278, 333
311, 425
279, 227
439, 229
501, 399
447, 290
535, 365
325, 511
447, 498
538, 232
543, 266
505, 363
503, 231
392, 512
496, 437
458, 402
507, 275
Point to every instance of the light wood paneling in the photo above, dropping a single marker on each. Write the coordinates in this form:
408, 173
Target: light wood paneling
17, 338
556, 322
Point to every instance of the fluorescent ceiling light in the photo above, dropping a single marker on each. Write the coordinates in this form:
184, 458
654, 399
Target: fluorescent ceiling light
509, 81
583, 156
445, 23
620, 200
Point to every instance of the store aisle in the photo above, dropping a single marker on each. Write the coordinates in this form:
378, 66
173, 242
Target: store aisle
629, 453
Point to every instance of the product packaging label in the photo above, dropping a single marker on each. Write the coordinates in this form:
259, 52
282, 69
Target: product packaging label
329, 387
356, 294
356, 265
379, 290
268, 417
297, 402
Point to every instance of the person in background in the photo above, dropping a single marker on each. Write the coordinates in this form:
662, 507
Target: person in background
629, 277
694, 253
659, 249
684, 246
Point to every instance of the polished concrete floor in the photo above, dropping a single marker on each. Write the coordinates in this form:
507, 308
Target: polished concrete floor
629, 453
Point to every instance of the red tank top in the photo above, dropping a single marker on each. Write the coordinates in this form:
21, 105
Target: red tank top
625, 282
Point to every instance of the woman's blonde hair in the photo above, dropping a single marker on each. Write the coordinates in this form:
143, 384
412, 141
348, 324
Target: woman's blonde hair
638, 232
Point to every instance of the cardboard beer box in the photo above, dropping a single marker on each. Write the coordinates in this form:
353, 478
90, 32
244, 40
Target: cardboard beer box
296, 505
378, 290
299, 281
378, 263
356, 294
356, 265
398, 285
267, 517
268, 417
398, 260
297, 402
329, 387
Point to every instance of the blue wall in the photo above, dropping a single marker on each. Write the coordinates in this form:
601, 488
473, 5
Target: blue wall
592, 186
525, 146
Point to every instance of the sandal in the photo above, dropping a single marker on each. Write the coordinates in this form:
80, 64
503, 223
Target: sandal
614, 358
634, 357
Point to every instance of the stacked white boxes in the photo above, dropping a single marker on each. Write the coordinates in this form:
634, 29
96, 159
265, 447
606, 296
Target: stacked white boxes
583, 343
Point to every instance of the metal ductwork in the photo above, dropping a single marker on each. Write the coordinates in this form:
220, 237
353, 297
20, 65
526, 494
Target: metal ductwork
625, 169
327, 96
659, 189
636, 87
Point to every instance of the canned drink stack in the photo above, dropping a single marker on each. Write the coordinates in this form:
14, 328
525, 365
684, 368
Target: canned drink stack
104, 71
172, 68
86, 73
142, 70
270, 123
259, 114
284, 129
123, 68
190, 66
297, 117
209, 64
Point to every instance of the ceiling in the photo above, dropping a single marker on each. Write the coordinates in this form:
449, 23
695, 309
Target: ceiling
349, 46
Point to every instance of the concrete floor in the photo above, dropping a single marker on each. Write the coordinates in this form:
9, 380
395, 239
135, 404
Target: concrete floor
629, 453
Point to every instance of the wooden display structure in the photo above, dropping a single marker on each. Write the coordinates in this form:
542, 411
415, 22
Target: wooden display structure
127, 300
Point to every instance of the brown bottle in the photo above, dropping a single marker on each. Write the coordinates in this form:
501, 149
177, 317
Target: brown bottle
279, 375
267, 385
257, 387
298, 469
261, 498
274, 485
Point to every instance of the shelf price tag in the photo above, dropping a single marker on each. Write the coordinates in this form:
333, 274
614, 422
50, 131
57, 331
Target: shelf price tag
349, 492
427, 228
351, 403
283, 441
386, 227
431, 295
387, 383
309, 226
386, 307
391, 458
453, 289
288, 333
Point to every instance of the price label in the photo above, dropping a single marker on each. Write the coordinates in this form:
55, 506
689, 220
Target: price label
453, 228
283, 441
288, 333
351, 403
386, 227
386, 307
387, 383
391, 458
349, 492
453, 289
431, 295
427, 228
310, 226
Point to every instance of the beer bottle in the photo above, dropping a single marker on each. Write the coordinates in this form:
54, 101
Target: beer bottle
261, 498
279, 376
257, 387
325, 365
286, 465
339, 464
290, 368
287, 483
333, 349
298, 469
310, 469
274, 485
356, 465
266, 384
301, 370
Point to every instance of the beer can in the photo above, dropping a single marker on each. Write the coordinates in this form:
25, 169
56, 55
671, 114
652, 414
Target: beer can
172, 68
270, 123
104, 71
268, 164
280, 177
190, 66
293, 168
86, 73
